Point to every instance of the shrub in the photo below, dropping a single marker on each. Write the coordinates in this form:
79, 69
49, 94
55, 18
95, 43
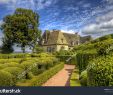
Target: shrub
105, 47
30, 75
74, 80
106, 37
100, 72
2, 66
2, 61
38, 65
64, 55
38, 49
15, 71
12, 64
83, 47
29, 66
6, 79
7, 56
83, 78
83, 59
42, 78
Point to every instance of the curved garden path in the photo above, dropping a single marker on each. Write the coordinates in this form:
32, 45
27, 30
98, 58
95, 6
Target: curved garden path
61, 78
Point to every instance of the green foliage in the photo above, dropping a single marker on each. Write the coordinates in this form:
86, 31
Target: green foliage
3, 61
83, 58
38, 49
12, 64
42, 78
83, 78
74, 80
30, 75
15, 71
2, 66
66, 56
21, 28
39, 64
83, 47
6, 79
103, 38
106, 37
104, 47
7, 56
100, 72
6, 46
26, 66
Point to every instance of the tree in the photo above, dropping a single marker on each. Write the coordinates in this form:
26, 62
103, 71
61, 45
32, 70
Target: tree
6, 46
38, 49
22, 28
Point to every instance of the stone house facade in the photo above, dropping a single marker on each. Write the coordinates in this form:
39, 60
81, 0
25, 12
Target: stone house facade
56, 40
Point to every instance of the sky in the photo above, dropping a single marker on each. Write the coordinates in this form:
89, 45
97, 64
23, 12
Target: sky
87, 17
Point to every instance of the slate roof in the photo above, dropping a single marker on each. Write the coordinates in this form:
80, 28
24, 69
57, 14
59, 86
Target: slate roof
58, 37
71, 38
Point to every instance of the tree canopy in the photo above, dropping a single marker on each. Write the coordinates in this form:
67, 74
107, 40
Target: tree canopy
22, 28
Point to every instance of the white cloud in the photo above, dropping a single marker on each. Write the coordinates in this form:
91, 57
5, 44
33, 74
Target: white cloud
69, 31
1, 22
40, 4
99, 29
6, 1
103, 22
110, 1
29, 4
105, 17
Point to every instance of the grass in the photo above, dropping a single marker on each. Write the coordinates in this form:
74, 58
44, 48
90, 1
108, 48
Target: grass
74, 80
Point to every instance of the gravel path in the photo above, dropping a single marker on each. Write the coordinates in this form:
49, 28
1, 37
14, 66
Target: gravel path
61, 78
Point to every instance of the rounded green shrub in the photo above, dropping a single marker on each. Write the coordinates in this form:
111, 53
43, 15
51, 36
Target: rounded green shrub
2, 66
30, 75
100, 72
83, 78
15, 71
105, 47
12, 64
6, 79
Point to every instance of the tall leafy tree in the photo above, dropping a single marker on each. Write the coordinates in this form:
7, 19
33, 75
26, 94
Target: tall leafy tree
22, 28
6, 46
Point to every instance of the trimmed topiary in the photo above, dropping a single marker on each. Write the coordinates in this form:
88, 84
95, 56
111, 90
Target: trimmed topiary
84, 57
6, 79
42, 78
15, 71
83, 78
12, 64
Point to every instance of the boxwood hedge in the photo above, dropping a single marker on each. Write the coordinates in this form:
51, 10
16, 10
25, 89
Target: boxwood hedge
15, 71
83, 58
7, 56
6, 78
42, 78
83, 78
100, 72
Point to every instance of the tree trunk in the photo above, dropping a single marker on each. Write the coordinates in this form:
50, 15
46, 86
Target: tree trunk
23, 49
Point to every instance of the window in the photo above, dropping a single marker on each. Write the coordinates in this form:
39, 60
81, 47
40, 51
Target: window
48, 49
